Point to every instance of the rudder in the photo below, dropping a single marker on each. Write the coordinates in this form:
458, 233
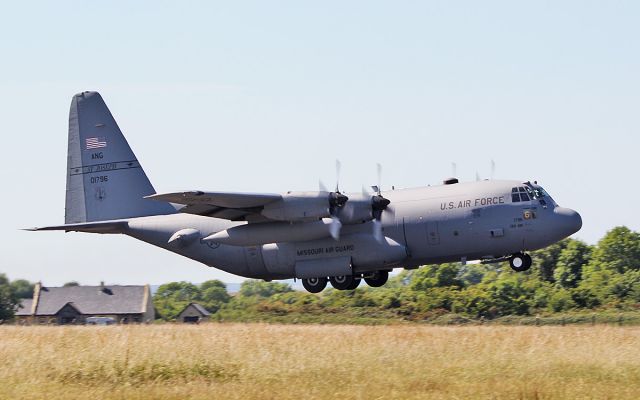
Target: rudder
104, 179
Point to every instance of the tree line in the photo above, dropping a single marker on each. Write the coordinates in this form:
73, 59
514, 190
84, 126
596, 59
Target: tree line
565, 277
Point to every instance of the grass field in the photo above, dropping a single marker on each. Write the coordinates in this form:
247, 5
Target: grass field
262, 361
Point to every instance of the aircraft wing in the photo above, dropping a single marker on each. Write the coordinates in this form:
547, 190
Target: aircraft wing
226, 205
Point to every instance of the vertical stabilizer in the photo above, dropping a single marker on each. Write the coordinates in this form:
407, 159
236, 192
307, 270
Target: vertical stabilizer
104, 179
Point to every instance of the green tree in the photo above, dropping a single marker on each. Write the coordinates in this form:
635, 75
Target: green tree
213, 294
625, 286
545, 260
572, 259
256, 288
476, 302
560, 300
8, 299
511, 293
432, 276
22, 288
618, 250
172, 298
71, 283
473, 274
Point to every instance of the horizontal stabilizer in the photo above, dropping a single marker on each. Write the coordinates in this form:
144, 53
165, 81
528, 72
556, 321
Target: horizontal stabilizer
91, 227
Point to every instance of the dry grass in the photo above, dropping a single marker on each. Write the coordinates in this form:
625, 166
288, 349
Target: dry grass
259, 361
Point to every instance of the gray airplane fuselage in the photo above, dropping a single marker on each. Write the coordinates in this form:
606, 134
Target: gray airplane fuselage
317, 236
434, 224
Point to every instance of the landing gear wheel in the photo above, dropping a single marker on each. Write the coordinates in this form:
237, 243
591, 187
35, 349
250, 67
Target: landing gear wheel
314, 285
378, 278
344, 282
520, 262
355, 282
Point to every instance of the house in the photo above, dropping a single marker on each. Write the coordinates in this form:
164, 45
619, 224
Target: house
193, 313
74, 304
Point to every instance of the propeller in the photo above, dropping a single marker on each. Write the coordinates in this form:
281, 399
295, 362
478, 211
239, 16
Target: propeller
337, 200
379, 204
493, 169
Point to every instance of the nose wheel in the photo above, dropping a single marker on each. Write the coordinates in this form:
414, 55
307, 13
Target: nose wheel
520, 262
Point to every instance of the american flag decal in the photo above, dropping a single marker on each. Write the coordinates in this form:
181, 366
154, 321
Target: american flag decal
95, 143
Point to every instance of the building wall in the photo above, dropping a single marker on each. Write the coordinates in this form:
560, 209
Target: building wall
149, 314
79, 319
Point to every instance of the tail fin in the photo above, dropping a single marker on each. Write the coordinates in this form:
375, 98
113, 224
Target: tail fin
104, 179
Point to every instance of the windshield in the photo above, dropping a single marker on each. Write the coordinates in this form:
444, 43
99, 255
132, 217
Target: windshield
536, 192
528, 192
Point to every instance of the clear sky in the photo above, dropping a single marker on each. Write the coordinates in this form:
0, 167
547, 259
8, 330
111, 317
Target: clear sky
264, 96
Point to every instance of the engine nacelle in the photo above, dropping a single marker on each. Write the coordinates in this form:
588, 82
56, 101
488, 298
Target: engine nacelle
365, 252
356, 211
298, 206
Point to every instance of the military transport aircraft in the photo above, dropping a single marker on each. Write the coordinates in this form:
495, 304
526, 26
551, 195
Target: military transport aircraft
316, 236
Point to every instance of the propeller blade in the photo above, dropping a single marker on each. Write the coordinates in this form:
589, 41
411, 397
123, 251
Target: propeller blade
454, 170
391, 211
377, 230
493, 169
335, 227
477, 177
379, 186
338, 168
321, 186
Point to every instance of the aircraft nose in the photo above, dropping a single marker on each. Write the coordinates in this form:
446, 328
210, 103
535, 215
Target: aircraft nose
569, 220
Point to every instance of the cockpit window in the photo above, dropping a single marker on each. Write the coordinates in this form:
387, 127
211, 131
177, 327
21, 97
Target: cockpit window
521, 193
536, 193
539, 192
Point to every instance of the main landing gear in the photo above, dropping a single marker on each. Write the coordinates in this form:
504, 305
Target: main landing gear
520, 262
346, 282
314, 285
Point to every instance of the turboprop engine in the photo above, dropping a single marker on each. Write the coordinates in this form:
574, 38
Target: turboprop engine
304, 206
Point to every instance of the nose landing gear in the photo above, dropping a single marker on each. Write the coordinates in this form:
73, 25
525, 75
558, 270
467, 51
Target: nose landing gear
520, 262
